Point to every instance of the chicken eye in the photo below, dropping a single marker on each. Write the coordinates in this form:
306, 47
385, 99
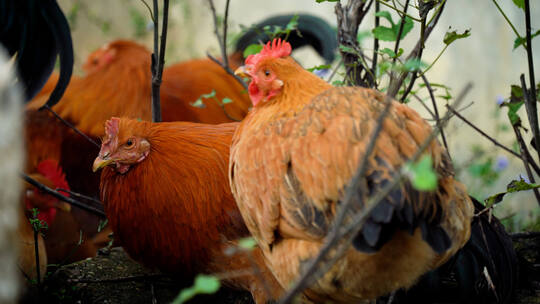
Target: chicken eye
95, 61
266, 73
129, 143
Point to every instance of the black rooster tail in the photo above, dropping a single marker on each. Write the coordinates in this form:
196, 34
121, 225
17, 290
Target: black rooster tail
485, 270
314, 31
37, 31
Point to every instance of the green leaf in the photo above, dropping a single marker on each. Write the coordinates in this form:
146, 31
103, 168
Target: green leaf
452, 36
386, 15
252, 49
209, 95
338, 83
388, 52
384, 33
320, 67
198, 104
391, 33
522, 40
414, 64
513, 186
204, 284
347, 49
514, 104
247, 243
293, 23
226, 100
520, 4
422, 175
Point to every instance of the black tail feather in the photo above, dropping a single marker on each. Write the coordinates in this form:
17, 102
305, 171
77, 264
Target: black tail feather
37, 31
485, 270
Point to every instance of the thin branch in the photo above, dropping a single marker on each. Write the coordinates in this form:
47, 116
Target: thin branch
223, 42
398, 40
437, 117
525, 157
36, 252
69, 125
334, 71
373, 82
418, 48
398, 10
506, 18
228, 70
79, 195
158, 58
493, 140
149, 10
530, 107
400, 31
419, 56
530, 95
62, 197
425, 107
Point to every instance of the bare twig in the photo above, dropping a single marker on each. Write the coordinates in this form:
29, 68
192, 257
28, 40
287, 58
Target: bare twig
334, 71
222, 40
59, 196
425, 107
36, 252
79, 195
373, 81
158, 57
493, 140
525, 157
530, 107
417, 51
69, 125
419, 56
436, 109
398, 39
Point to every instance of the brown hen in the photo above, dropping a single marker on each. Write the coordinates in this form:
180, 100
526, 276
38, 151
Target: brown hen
293, 156
167, 197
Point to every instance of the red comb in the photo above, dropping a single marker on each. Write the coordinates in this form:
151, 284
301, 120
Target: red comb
276, 48
50, 169
111, 127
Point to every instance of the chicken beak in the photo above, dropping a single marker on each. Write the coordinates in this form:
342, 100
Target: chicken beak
101, 163
242, 71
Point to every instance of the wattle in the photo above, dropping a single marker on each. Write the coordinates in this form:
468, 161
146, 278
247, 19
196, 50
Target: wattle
255, 94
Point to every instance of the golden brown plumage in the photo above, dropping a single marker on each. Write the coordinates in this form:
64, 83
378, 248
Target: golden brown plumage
293, 156
168, 200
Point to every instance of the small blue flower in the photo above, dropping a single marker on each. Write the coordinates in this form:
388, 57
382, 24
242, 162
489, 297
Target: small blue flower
499, 99
322, 73
524, 178
501, 163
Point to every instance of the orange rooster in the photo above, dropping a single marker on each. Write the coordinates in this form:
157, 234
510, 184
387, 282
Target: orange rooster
166, 194
293, 156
